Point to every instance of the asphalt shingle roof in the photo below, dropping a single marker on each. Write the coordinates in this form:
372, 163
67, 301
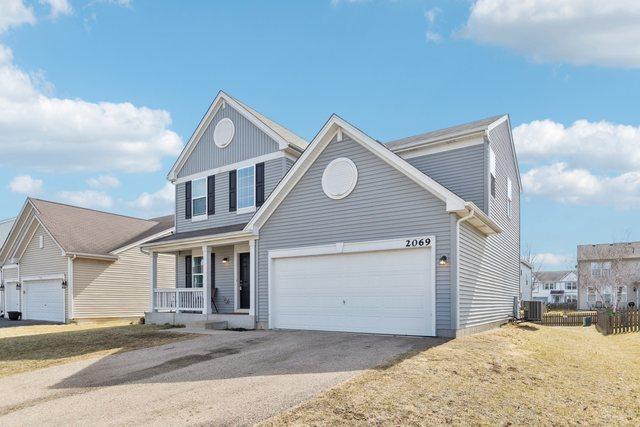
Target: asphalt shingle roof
87, 231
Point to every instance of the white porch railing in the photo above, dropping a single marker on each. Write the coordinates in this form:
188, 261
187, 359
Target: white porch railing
179, 299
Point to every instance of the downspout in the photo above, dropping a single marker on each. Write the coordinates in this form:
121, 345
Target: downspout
456, 295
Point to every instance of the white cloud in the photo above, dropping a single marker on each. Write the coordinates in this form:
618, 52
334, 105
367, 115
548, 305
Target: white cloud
551, 259
86, 198
158, 203
25, 184
58, 7
103, 182
579, 32
433, 37
57, 134
432, 14
580, 186
14, 13
584, 143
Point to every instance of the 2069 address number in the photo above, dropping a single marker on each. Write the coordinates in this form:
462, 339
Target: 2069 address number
418, 242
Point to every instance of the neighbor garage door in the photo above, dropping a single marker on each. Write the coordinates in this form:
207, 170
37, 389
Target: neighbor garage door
44, 300
381, 291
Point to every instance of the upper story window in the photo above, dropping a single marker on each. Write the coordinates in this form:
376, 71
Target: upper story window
199, 197
549, 286
509, 198
246, 185
600, 269
492, 171
571, 286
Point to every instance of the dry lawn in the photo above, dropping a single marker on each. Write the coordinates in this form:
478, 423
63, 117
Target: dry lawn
26, 348
516, 375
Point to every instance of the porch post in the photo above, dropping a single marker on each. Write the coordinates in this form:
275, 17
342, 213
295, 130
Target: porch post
252, 277
206, 259
153, 279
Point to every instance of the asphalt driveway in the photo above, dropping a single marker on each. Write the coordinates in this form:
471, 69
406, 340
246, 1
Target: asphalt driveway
226, 378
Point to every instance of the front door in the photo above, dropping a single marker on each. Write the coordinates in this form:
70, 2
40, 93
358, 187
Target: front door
245, 281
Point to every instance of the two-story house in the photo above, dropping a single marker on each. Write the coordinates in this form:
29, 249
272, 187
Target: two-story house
609, 275
418, 236
555, 287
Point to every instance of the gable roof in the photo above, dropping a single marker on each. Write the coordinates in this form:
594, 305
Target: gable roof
336, 126
284, 137
480, 127
552, 276
85, 232
5, 228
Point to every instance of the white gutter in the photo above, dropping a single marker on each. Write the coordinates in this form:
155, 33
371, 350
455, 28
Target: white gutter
456, 295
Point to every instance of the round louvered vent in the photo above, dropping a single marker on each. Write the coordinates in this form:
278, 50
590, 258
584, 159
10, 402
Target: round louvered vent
223, 133
339, 178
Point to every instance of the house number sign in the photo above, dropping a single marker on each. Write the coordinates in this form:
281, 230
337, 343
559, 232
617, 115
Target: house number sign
418, 242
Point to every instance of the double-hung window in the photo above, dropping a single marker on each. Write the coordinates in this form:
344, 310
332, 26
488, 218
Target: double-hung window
509, 198
196, 272
199, 198
600, 269
246, 188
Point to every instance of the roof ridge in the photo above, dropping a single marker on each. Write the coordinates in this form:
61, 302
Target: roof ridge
90, 209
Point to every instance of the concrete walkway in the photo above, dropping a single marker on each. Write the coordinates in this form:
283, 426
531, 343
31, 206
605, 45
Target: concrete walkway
223, 378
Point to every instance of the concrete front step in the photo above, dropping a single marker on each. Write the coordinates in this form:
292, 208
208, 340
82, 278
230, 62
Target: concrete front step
217, 326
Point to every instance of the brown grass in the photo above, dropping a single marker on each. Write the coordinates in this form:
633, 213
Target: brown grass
26, 348
516, 375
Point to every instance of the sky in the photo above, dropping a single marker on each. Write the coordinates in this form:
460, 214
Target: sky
98, 97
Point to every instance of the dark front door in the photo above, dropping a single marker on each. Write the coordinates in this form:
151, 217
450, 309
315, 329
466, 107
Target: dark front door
245, 281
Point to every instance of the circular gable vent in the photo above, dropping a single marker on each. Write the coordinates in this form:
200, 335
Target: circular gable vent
339, 178
223, 133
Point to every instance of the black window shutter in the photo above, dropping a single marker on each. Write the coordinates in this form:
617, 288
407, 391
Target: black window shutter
187, 199
232, 191
259, 184
211, 195
187, 271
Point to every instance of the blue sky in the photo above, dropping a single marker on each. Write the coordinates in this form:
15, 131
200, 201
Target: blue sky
393, 68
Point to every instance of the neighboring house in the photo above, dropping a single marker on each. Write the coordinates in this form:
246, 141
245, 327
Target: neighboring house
609, 275
5, 227
64, 263
555, 287
526, 281
418, 236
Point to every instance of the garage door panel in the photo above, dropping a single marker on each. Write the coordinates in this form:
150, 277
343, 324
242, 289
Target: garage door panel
380, 291
44, 301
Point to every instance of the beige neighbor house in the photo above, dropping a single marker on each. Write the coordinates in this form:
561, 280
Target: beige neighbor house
63, 263
609, 275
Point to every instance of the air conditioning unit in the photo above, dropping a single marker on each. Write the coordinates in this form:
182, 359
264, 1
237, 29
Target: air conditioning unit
533, 310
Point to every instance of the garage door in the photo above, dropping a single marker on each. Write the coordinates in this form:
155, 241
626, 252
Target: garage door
384, 291
44, 301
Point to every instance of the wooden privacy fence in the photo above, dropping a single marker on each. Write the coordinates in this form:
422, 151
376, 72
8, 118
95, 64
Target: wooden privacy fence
567, 319
618, 322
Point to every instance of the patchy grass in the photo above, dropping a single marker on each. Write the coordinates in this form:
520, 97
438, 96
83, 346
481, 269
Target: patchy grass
26, 348
516, 375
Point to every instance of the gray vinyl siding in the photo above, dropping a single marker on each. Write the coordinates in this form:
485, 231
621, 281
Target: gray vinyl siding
274, 170
248, 142
460, 170
42, 262
103, 289
490, 265
224, 277
384, 204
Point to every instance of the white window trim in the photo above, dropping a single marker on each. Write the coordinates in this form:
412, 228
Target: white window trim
193, 275
205, 216
247, 209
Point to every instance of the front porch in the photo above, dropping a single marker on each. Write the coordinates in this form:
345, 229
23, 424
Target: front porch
214, 280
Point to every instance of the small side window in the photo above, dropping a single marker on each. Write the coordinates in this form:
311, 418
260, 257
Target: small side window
40, 242
509, 198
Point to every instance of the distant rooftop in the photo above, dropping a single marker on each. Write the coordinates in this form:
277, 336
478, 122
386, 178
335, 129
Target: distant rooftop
551, 276
608, 251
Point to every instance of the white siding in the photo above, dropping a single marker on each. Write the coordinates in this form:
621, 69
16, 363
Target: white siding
10, 275
117, 288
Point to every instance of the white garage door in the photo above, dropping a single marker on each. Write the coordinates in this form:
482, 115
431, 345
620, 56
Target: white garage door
44, 301
386, 291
